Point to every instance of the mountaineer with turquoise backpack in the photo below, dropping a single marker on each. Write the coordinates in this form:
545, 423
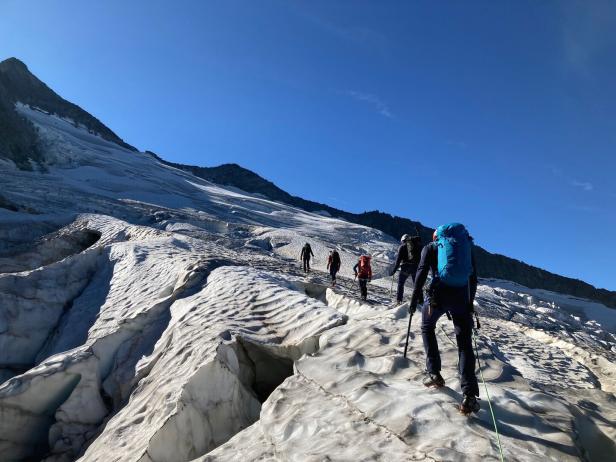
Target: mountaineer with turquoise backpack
454, 282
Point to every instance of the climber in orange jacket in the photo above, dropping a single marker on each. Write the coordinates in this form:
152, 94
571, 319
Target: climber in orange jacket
363, 272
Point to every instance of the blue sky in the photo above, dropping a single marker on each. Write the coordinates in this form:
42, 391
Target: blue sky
501, 115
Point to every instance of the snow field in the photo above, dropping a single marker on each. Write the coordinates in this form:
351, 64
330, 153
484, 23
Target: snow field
203, 394
187, 331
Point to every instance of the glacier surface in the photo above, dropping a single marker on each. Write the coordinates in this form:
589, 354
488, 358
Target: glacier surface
149, 315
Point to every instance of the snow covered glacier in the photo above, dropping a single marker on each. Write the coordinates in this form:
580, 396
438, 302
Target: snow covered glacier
148, 315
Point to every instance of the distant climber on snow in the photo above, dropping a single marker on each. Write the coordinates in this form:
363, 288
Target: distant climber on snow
453, 287
363, 272
305, 256
409, 254
333, 265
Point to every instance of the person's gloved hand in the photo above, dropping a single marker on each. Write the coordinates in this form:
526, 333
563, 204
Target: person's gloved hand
369, 279
392, 273
412, 308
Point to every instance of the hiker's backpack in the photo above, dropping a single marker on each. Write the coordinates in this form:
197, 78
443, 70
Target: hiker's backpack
413, 248
364, 265
335, 258
454, 247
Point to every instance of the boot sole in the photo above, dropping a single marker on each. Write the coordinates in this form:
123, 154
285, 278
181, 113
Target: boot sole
435, 386
467, 412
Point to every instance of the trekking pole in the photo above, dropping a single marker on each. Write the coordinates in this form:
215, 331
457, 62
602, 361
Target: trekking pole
408, 333
391, 287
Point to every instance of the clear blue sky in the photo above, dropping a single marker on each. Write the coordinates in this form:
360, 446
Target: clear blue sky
501, 115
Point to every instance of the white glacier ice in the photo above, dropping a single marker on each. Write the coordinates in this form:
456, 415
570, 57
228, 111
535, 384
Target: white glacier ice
149, 315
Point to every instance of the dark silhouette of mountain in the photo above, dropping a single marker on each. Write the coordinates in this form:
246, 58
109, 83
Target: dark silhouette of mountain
489, 265
18, 140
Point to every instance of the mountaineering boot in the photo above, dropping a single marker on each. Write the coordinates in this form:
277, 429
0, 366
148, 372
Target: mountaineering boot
469, 404
434, 381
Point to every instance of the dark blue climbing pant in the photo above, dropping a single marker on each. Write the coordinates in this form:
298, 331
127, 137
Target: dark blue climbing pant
363, 287
333, 270
404, 275
306, 264
463, 326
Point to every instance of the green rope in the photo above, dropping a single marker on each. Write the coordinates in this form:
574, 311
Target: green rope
500, 448
447, 336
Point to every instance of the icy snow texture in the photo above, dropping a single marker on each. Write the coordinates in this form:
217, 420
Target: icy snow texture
195, 395
146, 315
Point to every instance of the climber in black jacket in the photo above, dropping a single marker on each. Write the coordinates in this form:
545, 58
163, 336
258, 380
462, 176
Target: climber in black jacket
305, 256
409, 254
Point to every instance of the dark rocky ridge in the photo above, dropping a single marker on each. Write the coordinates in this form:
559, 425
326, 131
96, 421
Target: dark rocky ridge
489, 265
18, 139
17, 135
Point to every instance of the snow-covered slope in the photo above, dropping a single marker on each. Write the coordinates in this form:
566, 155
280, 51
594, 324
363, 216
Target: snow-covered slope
148, 315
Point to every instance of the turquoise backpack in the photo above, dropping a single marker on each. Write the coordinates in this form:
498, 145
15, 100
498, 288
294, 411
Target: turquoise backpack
454, 254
